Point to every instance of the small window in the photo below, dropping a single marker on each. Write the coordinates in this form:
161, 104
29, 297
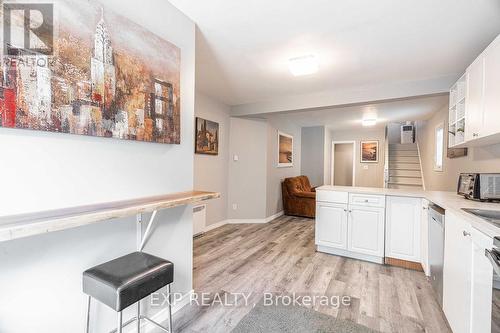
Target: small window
439, 148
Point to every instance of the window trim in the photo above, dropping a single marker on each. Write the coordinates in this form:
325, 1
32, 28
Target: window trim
437, 167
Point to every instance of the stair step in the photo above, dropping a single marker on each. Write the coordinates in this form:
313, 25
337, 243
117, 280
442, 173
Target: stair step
404, 159
405, 180
408, 146
404, 166
398, 153
405, 186
404, 173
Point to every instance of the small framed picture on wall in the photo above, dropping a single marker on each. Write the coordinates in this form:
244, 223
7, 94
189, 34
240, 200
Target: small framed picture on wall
285, 150
207, 137
369, 151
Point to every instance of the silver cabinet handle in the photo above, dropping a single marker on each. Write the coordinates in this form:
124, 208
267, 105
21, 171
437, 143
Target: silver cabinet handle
475, 135
466, 234
345, 210
494, 257
425, 208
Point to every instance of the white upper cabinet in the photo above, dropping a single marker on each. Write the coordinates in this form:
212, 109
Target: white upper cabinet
481, 104
491, 105
475, 95
402, 229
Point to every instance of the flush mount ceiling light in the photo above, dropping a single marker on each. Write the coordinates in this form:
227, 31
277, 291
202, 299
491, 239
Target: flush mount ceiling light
303, 65
369, 122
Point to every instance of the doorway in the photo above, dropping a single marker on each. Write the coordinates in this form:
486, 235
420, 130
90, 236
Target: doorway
343, 162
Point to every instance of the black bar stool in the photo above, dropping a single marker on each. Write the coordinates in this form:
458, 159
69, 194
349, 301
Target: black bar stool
124, 281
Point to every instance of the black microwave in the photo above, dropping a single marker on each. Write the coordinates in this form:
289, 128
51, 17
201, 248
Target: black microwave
479, 186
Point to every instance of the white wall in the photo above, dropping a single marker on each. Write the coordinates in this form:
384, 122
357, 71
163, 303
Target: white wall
479, 159
327, 168
40, 279
255, 180
313, 154
211, 172
248, 175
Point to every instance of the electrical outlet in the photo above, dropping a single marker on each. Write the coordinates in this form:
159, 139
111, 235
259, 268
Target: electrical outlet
235, 158
365, 167
235, 206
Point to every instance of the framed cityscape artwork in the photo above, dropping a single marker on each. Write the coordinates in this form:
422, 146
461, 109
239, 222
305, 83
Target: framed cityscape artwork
207, 137
106, 77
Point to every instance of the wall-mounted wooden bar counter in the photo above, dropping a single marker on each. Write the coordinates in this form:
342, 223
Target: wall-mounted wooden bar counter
36, 223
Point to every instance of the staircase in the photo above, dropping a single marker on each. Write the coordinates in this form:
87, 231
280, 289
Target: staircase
404, 167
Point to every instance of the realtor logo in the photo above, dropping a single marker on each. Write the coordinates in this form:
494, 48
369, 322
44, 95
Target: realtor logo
28, 28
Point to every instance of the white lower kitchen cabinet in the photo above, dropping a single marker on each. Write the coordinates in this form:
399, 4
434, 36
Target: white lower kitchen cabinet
353, 228
481, 283
467, 277
457, 273
331, 225
402, 228
366, 230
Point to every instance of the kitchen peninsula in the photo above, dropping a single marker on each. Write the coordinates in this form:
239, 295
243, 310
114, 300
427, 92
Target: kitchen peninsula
392, 226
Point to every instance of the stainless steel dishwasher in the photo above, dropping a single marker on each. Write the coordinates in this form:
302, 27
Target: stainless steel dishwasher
436, 249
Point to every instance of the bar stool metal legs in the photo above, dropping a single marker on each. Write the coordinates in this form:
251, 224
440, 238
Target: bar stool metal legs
169, 309
139, 316
119, 325
87, 329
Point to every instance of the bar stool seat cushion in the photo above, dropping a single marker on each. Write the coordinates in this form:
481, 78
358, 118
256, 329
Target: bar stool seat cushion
124, 281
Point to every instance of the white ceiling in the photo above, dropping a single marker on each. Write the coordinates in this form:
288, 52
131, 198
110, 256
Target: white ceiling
243, 46
349, 117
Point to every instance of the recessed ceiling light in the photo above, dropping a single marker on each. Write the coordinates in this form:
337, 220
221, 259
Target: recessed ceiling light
369, 122
303, 65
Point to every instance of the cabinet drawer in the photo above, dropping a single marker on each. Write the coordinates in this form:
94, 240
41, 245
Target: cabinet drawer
332, 196
367, 200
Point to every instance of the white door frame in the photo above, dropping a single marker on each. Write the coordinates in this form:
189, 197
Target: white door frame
332, 171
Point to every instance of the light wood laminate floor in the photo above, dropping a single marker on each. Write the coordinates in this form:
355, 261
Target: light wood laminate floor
280, 257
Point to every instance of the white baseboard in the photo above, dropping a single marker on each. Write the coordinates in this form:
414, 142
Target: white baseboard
242, 221
349, 254
215, 225
275, 216
255, 221
162, 316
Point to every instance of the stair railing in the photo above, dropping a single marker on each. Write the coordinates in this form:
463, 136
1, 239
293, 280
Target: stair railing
386, 161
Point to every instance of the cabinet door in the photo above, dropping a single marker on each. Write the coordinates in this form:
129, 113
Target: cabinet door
366, 230
403, 228
474, 99
331, 225
491, 115
482, 283
457, 273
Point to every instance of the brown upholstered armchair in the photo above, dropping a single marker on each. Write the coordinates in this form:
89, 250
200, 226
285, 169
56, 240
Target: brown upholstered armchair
299, 198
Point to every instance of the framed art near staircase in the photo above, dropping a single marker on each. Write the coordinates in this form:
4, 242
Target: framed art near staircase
369, 151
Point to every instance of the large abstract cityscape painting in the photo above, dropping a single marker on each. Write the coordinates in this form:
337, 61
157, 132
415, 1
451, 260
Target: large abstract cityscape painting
106, 77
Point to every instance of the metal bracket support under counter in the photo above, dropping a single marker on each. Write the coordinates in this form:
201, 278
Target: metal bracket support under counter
143, 238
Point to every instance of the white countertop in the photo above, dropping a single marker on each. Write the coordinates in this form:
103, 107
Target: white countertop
448, 200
